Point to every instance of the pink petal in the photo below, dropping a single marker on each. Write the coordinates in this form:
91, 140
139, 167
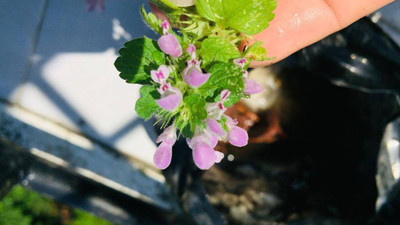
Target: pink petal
252, 87
238, 136
203, 138
192, 51
164, 87
204, 156
189, 142
170, 102
161, 74
225, 94
214, 110
163, 155
231, 122
169, 135
215, 127
199, 139
240, 62
165, 25
245, 73
194, 77
213, 141
219, 155
170, 45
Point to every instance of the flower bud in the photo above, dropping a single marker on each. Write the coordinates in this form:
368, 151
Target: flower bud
170, 45
163, 155
170, 100
251, 87
194, 77
204, 156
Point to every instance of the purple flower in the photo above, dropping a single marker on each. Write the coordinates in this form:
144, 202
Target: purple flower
169, 134
160, 76
171, 97
224, 95
203, 137
251, 87
245, 73
192, 74
237, 136
165, 25
203, 144
194, 77
170, 45
168, 42
204, 156
241, 62
192, 51
215, 127
163, 155
216, 109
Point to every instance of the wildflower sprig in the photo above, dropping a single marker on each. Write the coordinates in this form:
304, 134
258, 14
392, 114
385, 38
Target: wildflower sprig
191, 74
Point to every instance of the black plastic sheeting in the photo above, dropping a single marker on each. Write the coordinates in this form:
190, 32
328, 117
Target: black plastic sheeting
346, 90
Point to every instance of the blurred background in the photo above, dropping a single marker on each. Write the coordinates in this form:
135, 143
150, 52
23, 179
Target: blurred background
68, 129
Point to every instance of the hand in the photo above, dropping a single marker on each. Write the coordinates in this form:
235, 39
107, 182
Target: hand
299, 23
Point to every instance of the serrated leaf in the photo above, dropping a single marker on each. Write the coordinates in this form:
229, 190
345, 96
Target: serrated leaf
232, 99
223, 76
196, 107
151, 20
197, 29
165, 5
248, 16
192, 115
210, 9
216, 49
138, 57
256, 52
146, 105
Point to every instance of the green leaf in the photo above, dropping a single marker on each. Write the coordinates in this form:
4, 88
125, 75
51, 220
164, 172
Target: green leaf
256, 52
146, 105
151, 20
138, 57
223, 76
165, 5
216, 49
196, 28
196, 105
186, 131
194, 113
233, 98
223, 121
248, 16
210, 9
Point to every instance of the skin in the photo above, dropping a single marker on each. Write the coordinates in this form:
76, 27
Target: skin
299, 23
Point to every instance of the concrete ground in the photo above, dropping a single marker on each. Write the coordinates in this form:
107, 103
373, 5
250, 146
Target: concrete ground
61, 97
56, 61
